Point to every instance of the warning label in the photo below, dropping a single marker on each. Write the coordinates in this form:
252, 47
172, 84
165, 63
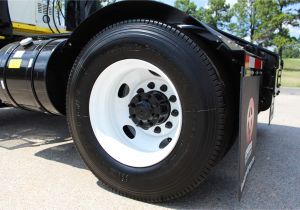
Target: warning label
14, 63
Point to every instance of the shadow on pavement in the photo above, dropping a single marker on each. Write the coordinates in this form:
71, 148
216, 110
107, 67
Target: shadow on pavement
20, 129
273, 183
64, 153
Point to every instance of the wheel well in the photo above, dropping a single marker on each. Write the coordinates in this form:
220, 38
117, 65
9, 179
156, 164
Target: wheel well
126, 10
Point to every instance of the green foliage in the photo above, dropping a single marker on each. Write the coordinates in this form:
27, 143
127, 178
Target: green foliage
291, 51
292, 64
291, 73
290, 79
264, 22
265, 12
245, 22
218, 14
190, 8
187, 6
280, 21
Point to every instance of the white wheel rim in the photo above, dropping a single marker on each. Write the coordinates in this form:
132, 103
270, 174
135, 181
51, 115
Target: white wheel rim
109, 114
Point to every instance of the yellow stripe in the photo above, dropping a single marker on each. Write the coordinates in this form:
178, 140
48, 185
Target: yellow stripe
26, 28
14, 63
2, 37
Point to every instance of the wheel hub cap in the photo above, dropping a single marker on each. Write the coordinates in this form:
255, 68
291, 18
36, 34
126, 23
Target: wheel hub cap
149, 109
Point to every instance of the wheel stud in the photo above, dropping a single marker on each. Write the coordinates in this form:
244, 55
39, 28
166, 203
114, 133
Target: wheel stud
169, 125
140, 90
163, 88
174, 113
151, 85
172, 98
157, 129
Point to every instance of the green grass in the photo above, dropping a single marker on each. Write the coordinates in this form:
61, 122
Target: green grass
292, 64
291, 73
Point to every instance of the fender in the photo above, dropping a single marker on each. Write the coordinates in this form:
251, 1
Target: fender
145, 9
220, 47
126, 10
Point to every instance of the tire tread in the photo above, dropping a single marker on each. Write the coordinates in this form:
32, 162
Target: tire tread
219, 89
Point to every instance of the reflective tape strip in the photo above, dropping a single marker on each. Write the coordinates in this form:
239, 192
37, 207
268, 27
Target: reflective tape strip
258, 64
2, 85
30, 63
253, 63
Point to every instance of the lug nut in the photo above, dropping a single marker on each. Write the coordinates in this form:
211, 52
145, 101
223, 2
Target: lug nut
172, 98
154, 105
151, 85
132, 116
164, 88
169, 125
157, 130
140, 90
150, 123
174, 113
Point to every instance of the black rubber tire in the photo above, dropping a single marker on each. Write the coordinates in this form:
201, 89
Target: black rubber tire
201, 92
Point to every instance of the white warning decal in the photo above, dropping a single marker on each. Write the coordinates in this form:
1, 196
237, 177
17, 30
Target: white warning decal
19, 54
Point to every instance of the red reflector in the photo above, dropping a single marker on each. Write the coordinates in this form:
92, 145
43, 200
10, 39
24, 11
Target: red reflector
253, 63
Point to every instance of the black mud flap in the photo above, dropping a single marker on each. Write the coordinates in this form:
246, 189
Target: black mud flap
271, 112
276, 92
249, 96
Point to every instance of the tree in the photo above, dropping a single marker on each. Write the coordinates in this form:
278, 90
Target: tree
186, 6
190, 8
244, 22
291, 51
265, 22
275, 18
217, 14
282, 21
265, 11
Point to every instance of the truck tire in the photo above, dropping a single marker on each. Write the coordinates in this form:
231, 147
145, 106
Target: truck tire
146, 109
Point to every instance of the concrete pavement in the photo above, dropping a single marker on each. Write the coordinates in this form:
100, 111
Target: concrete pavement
40, 168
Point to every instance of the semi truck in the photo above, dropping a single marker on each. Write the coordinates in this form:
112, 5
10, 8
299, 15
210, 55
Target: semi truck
151, 95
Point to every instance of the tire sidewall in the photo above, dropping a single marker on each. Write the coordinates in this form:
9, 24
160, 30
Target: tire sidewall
188, 71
